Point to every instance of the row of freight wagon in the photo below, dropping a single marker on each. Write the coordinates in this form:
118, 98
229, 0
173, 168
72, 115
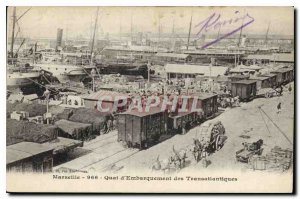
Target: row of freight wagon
246, 88
142, 129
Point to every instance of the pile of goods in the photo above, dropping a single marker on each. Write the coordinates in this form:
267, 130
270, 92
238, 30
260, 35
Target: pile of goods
74, 130
33, 109
114, 79
65, 114
55, 110
214, 135
91, 116
19, 131
277, 159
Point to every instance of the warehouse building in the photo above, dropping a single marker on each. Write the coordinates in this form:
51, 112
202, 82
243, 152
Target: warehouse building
191, 71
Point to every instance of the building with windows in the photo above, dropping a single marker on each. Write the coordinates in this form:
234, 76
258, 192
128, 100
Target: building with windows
191, 71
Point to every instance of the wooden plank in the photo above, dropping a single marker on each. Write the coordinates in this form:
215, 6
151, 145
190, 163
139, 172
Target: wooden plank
136, 130
128, 135
121, 128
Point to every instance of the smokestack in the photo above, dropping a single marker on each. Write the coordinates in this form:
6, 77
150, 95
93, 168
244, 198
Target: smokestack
59, 38
244, 40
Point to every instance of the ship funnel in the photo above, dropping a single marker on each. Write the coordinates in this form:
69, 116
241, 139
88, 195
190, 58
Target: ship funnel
243, 42
212, 61
59, 38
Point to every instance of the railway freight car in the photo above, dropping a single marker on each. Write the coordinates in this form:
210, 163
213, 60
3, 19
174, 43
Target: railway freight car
142, 128
235, 78
180, 122
272, 79
284, 75
245, 89
209, 104
262, 82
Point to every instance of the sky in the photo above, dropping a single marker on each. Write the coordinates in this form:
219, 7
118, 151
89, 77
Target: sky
42, 22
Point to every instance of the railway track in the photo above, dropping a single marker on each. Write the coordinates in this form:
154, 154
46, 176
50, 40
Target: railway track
104, 153
106, 162
110, 140
101, 143
109, 135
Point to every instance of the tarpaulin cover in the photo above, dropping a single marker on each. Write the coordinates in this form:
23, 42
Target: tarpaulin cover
75, 130
33, 109
91, 116
19, 131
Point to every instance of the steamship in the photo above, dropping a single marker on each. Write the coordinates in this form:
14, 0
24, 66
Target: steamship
64, 72
18, 73
64, 68
17, 77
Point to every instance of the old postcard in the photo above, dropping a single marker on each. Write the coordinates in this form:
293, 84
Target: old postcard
150, 99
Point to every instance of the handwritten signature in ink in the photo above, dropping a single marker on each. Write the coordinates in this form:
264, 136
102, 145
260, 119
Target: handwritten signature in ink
214, 22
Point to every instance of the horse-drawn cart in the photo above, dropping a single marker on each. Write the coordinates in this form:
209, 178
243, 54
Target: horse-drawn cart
249, 150
213, 135
210, 139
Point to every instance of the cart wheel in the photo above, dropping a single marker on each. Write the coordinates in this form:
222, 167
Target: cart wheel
129, 144
260, 151
183, 131
267, 95
217, 142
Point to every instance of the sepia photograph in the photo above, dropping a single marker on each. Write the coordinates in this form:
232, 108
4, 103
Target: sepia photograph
150, 99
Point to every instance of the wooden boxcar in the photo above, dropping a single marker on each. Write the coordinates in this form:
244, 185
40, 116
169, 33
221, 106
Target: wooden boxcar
245, 89
183, 118
284, 75
141, 129
262, 82
209, 104
235, 78
289, 74
272, 79
205, 107
182, 122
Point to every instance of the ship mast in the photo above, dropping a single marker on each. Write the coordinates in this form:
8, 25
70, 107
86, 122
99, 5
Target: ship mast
267, 34
188, 42
241, 33
93, 40
240, 36
14, 23
13, 32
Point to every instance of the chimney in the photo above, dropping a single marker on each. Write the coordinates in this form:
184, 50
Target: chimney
244, 40
59, 38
